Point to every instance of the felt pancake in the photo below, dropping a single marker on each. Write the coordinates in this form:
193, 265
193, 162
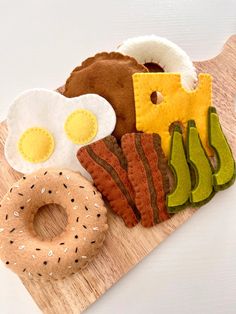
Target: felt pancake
110, 76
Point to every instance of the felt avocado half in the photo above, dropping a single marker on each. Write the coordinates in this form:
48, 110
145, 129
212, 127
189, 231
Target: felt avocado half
202, 191
178, 198
224, 174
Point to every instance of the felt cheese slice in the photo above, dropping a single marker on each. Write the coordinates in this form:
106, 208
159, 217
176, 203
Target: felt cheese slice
203, 189
178, 105
154, 50
46, 129
224, 174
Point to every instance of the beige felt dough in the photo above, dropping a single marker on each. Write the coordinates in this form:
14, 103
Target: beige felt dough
24, 251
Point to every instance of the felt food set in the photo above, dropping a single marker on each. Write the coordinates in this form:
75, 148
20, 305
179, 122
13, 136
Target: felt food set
134, 140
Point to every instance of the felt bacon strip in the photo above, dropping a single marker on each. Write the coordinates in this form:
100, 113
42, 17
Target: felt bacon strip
105, 161
147, 171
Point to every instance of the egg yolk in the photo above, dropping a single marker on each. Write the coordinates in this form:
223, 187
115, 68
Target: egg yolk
81, 126
36, 145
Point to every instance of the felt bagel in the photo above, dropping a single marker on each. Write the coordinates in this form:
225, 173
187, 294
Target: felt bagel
160, 54
24, 252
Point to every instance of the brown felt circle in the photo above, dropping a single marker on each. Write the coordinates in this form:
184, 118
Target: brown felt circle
50, 221
110, 76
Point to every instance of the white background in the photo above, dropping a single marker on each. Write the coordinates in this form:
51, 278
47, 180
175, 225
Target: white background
194, 270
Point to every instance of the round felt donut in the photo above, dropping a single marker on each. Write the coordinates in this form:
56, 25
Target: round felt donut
22, 250
161, 55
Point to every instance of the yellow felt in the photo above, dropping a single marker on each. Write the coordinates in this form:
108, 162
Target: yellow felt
81, 126
178, 104
36, 145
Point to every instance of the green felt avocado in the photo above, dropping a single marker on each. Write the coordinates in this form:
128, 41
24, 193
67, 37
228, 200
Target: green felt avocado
224, 174
178, 198
202, 192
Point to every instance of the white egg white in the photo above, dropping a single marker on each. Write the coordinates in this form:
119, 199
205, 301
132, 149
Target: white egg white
48, 109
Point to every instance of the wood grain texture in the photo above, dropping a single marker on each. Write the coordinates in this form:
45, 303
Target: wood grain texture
124, 247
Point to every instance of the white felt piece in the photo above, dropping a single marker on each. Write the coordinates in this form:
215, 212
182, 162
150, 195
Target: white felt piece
48, 109
165, 53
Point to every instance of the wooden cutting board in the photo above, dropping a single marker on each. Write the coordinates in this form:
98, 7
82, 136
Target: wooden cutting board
124, 247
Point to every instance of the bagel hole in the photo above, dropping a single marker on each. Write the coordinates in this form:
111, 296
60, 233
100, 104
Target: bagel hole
156, 98
153, 67
50, 221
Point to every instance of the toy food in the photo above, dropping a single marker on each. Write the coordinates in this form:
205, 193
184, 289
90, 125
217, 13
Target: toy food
24, 252
110, 76
178, 198
45, 129
178, 105
137, 182
203, 188
147, 172
224, 174
160, 54
107, 165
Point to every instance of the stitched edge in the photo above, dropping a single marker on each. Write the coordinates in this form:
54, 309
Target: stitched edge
93, 131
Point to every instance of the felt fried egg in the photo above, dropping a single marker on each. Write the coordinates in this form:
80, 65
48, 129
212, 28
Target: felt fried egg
46, 129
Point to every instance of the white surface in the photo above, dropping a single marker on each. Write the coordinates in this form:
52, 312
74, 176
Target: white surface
194, 270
